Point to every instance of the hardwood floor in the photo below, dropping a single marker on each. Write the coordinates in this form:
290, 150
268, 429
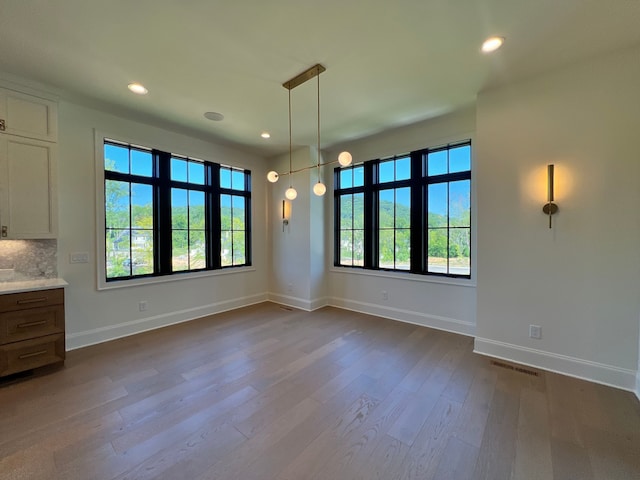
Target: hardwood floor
266, 393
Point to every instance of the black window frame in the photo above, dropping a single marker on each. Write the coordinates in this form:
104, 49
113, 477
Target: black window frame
418, 183
162, 185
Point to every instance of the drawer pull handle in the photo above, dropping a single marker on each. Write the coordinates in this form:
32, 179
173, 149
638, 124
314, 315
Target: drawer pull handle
34, 354
32, 324
32, 300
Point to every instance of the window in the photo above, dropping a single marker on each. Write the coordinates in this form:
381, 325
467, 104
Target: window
129, 218
234, 198
394, 213
165, 213
188, 225
448, 229
352, 216
410, 212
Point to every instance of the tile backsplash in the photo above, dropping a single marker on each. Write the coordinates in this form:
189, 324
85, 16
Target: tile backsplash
29, 259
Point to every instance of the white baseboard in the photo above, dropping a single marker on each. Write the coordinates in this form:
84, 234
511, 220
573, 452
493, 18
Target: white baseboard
296, 302
408, 316
125, 329
610, 375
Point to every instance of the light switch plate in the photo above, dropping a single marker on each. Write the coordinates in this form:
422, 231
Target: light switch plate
79, 257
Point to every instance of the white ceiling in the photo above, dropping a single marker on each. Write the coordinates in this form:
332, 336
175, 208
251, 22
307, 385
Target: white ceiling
388, 63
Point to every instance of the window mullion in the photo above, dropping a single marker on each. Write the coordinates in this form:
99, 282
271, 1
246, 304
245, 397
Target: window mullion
247, 219
214, 228
370, 217
418, 213
162, 232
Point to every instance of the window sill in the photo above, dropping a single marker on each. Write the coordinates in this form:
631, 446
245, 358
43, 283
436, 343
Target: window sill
178, 277
412, 277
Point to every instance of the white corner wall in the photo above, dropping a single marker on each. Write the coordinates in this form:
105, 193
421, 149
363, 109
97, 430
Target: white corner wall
579, 280
433, 302
297, 253
95, 316
638, 370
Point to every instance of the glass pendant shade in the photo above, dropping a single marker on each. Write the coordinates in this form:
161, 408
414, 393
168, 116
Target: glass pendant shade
344, 159
291, 193
272, 176
319, 189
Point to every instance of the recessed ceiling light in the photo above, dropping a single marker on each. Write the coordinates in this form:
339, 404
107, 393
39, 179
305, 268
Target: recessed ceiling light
265, 135
492, 44
137, 88
214, 116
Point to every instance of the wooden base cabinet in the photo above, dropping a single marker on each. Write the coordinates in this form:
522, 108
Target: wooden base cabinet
31, 330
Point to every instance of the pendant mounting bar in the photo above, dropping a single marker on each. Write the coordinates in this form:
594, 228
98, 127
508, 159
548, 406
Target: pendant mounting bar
304, 76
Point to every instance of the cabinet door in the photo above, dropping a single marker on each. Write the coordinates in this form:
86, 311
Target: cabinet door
28, 116
28, 198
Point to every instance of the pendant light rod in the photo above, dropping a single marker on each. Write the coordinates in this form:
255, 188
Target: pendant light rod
290, 148
318, 154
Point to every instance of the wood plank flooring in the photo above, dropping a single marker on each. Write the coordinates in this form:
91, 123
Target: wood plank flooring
273, 394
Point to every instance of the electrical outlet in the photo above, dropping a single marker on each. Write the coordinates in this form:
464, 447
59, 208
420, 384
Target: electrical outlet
385, 295
79, 257
142, 306
535, 331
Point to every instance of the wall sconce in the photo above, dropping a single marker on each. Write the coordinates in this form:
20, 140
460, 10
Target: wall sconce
550, 208
286, 213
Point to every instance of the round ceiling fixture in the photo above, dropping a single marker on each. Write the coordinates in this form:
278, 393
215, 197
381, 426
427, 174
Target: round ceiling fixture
265, 135
214, 116
492, 44
137, 88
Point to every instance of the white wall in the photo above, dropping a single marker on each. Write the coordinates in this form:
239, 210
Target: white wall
318, 253
297, 253
638, 370
579, 280
94, 316
438, 303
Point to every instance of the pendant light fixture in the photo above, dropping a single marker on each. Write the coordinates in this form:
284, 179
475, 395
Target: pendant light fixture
344, 159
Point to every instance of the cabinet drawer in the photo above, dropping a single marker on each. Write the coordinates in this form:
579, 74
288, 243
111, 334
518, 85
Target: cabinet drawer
28, 354
34, 322
38, 298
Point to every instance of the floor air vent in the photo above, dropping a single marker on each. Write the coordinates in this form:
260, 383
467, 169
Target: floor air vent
515, 368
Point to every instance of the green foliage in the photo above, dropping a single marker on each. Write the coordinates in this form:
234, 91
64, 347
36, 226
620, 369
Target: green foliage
396, 246
395, 243
233, 235
437, 243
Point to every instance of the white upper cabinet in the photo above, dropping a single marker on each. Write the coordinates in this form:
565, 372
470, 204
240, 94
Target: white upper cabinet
28, 116
28, 179
28, 166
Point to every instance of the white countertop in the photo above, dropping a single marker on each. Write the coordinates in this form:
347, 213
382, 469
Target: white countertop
31, 285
